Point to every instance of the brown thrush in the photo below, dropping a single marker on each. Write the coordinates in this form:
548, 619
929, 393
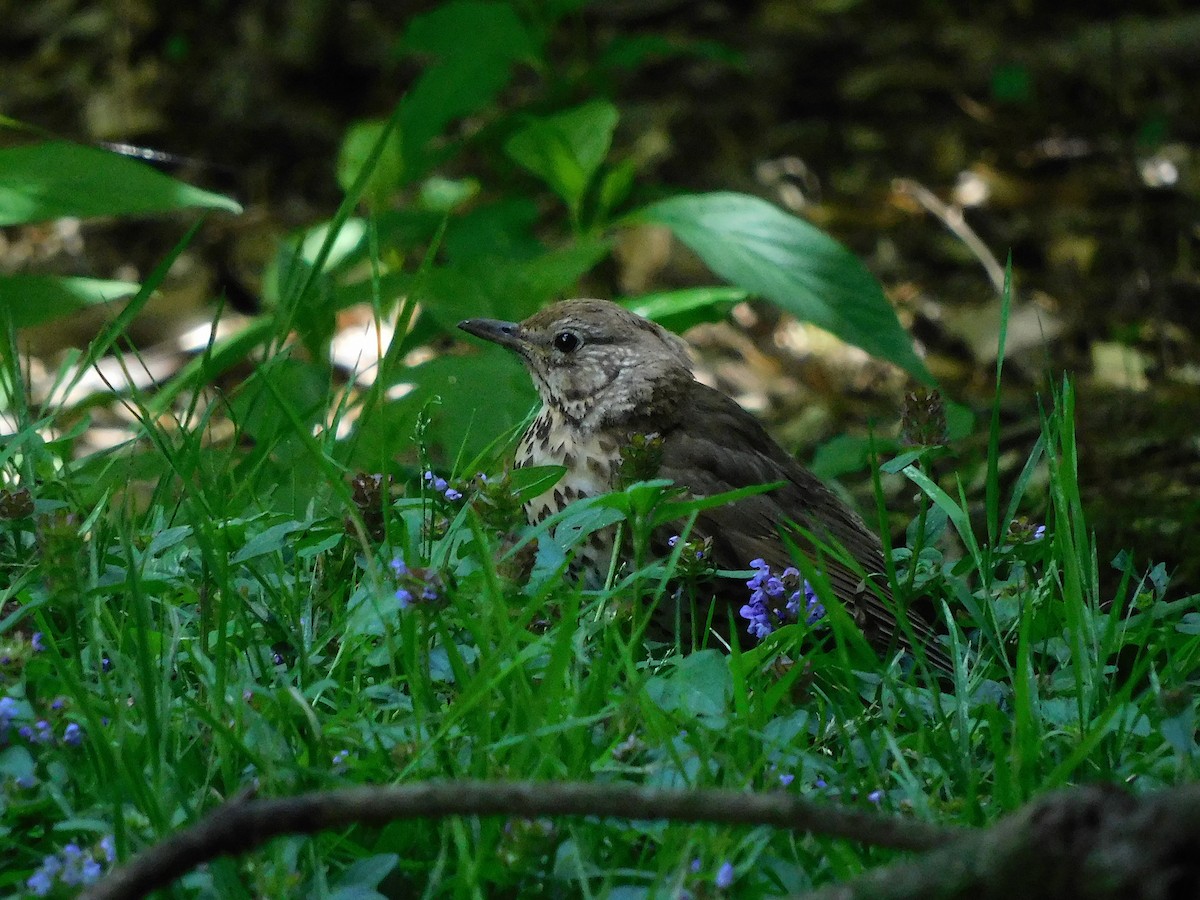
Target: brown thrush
606, 375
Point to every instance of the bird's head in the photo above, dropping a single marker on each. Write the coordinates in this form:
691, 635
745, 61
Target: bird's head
594, 361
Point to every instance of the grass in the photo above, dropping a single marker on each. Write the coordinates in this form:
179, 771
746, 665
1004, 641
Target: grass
191, 617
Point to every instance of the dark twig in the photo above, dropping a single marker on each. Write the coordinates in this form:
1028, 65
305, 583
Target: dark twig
244, 824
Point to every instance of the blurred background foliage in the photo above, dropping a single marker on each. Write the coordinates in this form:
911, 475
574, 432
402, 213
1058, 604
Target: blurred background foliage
400, 166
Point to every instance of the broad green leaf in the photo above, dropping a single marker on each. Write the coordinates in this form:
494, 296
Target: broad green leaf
761, 248
474, 46
567, 148
35, 299
533, 481
356, 151
57, 178
678, 509
481, 395
506, 288
680, 310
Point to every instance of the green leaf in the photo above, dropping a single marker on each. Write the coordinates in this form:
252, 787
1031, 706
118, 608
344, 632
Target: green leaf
481, 395
272, 540
356, 151
680, 310
506, 288
700, 686
761, 248
35, 299
56, 178
533, 481
565, 150
475, 45
678, 509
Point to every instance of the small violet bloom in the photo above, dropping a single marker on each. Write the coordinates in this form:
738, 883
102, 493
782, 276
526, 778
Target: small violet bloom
768, 608
724, 876
36, 642
72, 735
39, 733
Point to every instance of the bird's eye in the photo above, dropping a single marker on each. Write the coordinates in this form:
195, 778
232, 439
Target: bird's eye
566, 341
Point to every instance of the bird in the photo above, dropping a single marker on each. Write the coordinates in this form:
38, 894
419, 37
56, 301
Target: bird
608, 378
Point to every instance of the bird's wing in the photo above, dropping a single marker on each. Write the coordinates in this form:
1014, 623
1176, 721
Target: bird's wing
720, 447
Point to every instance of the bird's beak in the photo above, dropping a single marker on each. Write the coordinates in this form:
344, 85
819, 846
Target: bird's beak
506, 334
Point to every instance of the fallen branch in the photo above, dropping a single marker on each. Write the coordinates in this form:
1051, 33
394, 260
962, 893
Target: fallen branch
244, 824
1086, 843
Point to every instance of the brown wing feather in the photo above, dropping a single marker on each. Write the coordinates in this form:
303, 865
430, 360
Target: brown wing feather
720, 447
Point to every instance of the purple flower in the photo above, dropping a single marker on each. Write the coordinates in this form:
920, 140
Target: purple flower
673, 540
433, 481
1038, 533
108, 848
765, 611
786, 779
41, 882
416, 584
339, 760
875, 796
724, 876
695, 867
78, 867
820, 783
36, 642
72, 735
59, 703
8, 712
452, 494
39, 733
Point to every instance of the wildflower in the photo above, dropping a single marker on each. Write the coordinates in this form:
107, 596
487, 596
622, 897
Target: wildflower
39, 733
786, 779
875, 797
765, 611
1038, 533
36, 642
724, 876
339, 760
59, 703
108, 848
72, 735
452, 494
433, 481
695, 865
8, 712
41, 882
415, 585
